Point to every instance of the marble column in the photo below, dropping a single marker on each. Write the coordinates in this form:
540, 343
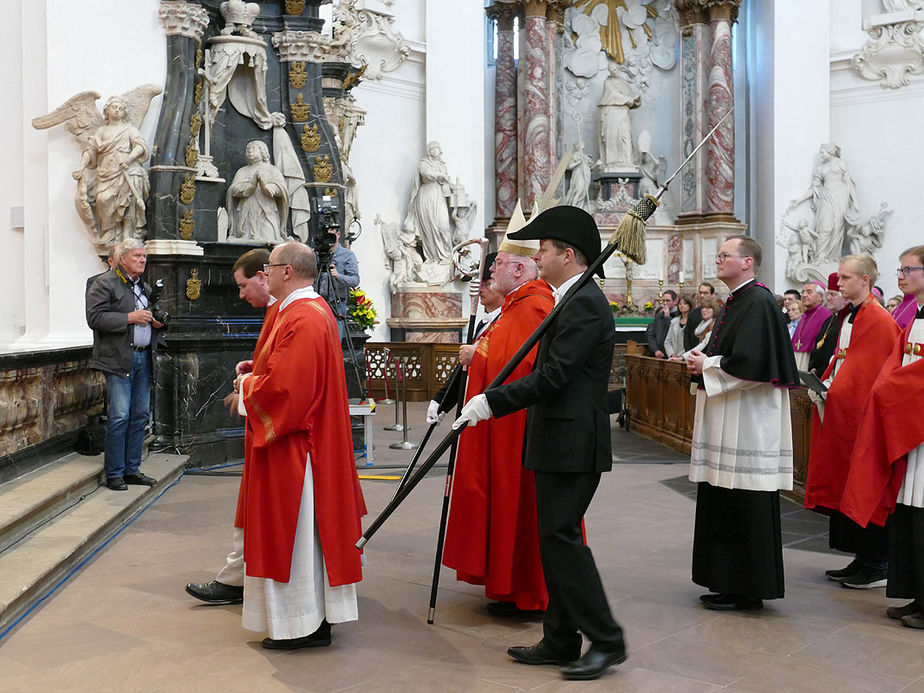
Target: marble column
694, 53
536, 161
720, 151
505, 113
555, 27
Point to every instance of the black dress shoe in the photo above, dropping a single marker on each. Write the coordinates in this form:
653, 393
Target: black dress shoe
898, 612
139, 479
215, 592
595, 662
511, 610
734, 602
320, 638
541, 653
706, 598
117, 483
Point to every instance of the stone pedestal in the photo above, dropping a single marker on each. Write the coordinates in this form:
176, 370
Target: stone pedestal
426, 315
617, 191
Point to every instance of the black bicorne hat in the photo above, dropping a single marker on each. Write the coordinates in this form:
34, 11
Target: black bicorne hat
572, 225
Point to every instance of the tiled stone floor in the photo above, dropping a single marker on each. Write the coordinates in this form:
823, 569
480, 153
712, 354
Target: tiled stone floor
124, 623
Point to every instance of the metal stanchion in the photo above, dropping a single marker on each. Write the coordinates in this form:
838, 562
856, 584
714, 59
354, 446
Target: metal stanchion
398, 375
388, 399
404, 444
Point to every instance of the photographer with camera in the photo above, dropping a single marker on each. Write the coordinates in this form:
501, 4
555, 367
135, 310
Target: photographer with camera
122, 311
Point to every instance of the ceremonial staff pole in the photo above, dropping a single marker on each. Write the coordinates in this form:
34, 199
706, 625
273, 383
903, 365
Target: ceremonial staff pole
629, 239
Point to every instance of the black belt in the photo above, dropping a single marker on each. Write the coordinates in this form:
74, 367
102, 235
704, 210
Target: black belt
137, 348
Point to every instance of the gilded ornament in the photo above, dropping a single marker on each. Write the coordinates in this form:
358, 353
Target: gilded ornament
187, 225
197, 96
188, 191
322, 169
192, 153
195, 123
330, 192
295, 6
193, 285
311, 140
198, 58
353, 77
298, 78
300, 109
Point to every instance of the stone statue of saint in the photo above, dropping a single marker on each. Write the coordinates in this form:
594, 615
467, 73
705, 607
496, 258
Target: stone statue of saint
578, 194
615, 126
833, 199
117, 151
428, 213
257, 201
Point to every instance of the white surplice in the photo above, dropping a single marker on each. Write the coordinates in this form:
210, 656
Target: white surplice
742, 433
912, 491
296, 608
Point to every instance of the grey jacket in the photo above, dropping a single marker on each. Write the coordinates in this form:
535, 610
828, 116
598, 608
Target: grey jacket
109, 301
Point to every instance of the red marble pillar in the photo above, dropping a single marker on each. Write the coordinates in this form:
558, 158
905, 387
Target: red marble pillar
536, 142
505, 113
720, 153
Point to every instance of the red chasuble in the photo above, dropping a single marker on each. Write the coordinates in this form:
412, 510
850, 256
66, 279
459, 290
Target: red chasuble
269, 317
872, 339
297, 405
891, 426
492, 538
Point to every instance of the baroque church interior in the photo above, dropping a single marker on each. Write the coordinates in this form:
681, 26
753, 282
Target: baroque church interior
419, 128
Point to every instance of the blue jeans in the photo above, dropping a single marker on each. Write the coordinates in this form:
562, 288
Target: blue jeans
129, 401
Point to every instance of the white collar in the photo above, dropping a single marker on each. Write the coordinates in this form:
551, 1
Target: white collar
563, 289
746, 281
304, 292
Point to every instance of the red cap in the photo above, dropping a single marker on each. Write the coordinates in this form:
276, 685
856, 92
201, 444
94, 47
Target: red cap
832, 282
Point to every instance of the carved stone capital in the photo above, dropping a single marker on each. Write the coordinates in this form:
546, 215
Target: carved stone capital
183, 19
691, 12
722, 10
893, 53
536, 8
301, 46
503, 11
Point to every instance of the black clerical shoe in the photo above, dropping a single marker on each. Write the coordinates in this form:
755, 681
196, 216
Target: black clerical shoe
320, 638
897, 612
139, 479
542, 653
711, 597
215, 592
116, 483
597, 660
733, 602
511, 610
846, 571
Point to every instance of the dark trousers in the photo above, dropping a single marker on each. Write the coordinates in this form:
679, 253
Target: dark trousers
870, 543
906, 553
577, 602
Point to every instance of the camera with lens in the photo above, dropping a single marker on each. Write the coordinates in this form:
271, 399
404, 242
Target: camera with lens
325, 237
160, 315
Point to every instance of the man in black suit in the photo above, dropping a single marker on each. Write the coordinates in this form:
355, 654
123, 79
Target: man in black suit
567, 444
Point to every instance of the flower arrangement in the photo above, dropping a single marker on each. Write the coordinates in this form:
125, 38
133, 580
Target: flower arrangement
361, 309
648, 307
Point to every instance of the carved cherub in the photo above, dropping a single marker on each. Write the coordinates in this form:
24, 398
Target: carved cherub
111, 182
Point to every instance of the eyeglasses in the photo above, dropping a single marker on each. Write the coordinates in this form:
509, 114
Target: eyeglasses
906, 271
266, 267
722, 257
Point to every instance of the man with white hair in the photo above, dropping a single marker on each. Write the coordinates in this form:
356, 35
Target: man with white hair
492, 537
124, 339
806, 333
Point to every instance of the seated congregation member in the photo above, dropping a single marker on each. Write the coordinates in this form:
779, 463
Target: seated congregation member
673, 342
887, 466
867, 336
805, 335
656, 331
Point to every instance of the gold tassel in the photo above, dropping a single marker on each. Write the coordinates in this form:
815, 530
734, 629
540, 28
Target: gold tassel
629, 236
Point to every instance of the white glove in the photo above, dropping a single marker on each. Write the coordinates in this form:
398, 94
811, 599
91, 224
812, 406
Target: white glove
434, 415
816, 398
476, 410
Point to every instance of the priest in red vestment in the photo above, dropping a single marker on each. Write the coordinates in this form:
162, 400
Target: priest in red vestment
302, 504
250, 277
867, 336
887, 468
492, 537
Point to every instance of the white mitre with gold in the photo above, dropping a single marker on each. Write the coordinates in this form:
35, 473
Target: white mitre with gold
514, 246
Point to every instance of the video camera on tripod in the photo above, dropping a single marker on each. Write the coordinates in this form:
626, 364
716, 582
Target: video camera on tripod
324, 237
